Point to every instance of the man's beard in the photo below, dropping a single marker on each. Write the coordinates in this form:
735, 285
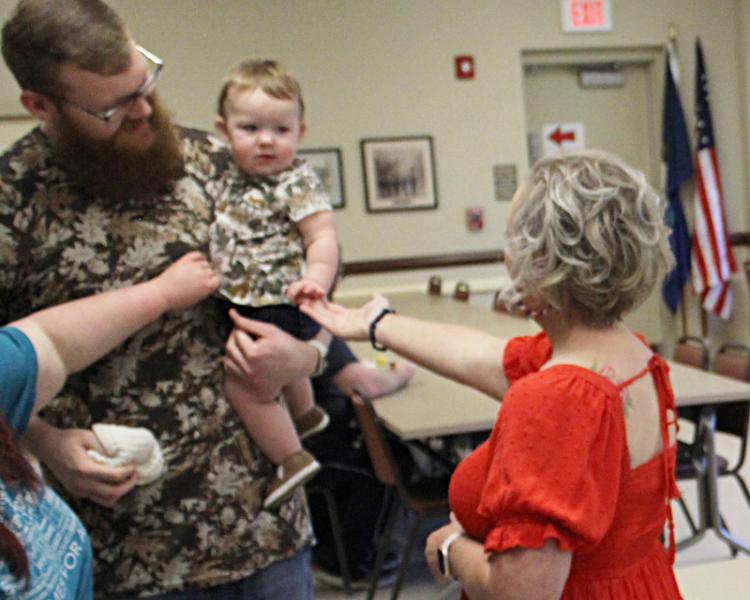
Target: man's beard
116, 173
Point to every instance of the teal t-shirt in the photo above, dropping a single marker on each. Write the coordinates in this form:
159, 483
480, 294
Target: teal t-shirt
56, 543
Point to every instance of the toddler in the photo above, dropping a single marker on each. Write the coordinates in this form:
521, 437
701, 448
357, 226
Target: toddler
273, 240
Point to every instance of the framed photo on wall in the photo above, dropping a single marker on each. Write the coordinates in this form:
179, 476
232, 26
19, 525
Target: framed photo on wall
399, 173
326, 162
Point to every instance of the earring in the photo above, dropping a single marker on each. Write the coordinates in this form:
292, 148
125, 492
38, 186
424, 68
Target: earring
532, 313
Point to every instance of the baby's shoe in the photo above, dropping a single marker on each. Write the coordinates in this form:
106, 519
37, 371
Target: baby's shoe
312, 422
296, 469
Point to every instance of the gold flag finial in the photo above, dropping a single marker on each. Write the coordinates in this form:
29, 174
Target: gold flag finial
672, 32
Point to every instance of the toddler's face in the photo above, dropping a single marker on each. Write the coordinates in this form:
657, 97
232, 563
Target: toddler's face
264, 132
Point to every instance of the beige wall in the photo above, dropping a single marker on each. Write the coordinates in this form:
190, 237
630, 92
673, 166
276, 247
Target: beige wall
385, 68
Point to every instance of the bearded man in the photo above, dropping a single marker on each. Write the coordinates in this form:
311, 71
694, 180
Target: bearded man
105, 193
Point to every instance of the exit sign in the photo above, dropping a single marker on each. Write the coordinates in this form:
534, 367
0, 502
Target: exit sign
581, 16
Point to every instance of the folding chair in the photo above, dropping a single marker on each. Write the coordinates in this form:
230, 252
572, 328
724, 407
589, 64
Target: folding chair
693, 351
419, 501
461, 291
435, 285
313, 489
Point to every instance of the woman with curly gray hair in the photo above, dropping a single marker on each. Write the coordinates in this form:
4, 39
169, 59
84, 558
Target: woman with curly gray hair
570, 494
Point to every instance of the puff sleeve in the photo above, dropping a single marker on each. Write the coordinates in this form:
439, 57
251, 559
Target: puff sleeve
525, 354
555, 462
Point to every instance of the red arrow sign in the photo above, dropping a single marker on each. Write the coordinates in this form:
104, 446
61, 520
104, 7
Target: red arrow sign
559, 137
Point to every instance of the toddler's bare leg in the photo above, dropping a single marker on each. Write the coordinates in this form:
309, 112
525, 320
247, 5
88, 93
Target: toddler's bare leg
266, 421
299, 397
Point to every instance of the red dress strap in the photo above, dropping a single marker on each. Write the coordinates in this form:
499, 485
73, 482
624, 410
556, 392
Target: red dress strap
666, 404
627, 382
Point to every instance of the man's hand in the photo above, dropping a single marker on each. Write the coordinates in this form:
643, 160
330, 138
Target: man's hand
266, 357
64, 453
186, 282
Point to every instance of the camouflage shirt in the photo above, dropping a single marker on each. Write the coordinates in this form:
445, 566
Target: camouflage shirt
255, 244
200, 524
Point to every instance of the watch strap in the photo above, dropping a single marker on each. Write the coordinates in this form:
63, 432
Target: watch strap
322, 363
444, 562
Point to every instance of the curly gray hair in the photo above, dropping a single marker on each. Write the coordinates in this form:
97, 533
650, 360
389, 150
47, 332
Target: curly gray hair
588, 235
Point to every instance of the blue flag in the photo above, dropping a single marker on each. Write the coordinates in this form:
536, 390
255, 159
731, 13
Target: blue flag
679, 165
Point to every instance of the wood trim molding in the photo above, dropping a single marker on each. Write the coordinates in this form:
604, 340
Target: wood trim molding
460, 259
411, 263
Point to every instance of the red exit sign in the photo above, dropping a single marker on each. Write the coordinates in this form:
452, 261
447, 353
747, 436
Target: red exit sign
586, 15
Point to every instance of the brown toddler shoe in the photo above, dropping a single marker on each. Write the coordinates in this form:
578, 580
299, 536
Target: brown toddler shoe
312, 422
296, 469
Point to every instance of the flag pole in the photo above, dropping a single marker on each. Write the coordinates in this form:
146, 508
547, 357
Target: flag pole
683, 312
672, 35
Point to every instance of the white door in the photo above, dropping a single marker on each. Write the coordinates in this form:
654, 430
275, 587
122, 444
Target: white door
624, 120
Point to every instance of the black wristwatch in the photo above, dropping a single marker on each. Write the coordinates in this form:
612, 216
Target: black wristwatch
444, 563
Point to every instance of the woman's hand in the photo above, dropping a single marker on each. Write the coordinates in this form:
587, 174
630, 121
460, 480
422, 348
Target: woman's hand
347, 323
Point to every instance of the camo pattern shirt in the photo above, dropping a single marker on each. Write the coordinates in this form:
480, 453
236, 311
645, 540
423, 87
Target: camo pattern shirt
201, 524
255, 244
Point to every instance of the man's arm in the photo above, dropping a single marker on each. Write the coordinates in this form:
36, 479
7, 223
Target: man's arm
373, 383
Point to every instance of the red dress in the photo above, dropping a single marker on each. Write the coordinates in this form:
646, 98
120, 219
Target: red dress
556, 466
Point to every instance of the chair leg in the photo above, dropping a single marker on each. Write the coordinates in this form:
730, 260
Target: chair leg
732, 549
743, 486
411, 538
383, 547
338, 538
688, 516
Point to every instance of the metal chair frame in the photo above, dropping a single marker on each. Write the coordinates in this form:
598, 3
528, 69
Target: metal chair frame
418, 501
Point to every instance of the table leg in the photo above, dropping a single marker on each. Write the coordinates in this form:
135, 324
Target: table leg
700, 464
708, 421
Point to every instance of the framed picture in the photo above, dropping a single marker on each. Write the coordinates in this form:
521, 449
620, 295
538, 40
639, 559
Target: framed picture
399, 173
326, 162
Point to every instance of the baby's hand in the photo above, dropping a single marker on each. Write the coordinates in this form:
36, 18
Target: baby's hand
188, 281
305, 289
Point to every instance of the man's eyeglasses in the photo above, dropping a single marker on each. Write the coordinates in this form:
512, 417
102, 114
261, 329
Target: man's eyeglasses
155, 67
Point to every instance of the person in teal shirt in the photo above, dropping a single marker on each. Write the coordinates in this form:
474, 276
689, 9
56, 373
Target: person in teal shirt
45, 551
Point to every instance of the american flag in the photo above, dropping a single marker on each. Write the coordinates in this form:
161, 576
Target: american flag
713, 259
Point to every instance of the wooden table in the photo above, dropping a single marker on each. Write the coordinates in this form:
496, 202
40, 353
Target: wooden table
434, 406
